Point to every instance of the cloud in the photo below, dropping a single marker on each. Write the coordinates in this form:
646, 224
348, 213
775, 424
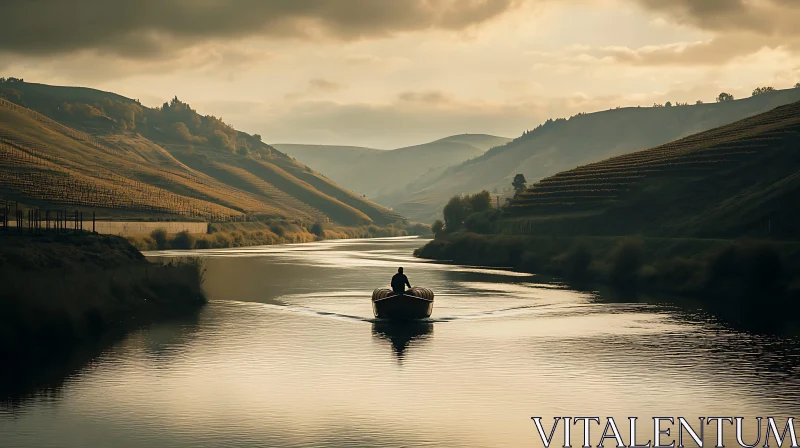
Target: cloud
324, 85
713, 52
739, 27
413, 117
316, 86
143, 28
224, 59
762, 17
433, 98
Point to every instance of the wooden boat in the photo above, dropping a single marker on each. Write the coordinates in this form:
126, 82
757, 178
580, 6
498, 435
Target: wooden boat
415, 303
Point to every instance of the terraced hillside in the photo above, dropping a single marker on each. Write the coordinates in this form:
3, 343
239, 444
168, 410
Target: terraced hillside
739, 179
562, 144
365, 170
101, 150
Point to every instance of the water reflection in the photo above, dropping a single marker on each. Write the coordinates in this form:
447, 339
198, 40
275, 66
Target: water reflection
44, 375
287, 353
402, 333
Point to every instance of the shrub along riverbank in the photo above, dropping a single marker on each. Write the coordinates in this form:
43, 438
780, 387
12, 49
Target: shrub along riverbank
224, 235
57, 291
750, 282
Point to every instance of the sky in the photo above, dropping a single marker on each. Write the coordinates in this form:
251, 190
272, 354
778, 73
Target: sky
391, 73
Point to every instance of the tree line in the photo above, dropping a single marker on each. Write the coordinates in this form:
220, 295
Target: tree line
473, 212
174, 120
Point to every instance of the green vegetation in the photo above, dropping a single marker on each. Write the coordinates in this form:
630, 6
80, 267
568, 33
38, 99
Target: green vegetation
735, 180
725, 97
519, 183
747, 281
565, 143
468, 211
63, 146
713, 216
63, 290
223, 235
763, 90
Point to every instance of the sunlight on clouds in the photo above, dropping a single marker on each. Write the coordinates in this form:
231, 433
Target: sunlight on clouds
431, 69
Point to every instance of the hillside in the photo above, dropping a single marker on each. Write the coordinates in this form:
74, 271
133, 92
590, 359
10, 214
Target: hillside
739, 179
563, 144
364, 170
78, 147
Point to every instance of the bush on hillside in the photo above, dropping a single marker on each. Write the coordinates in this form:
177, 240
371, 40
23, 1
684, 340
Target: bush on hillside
13, 95
219, 140
574, 263
160, 238
482, 222
183, 240
277, 229
625, 263
318, 229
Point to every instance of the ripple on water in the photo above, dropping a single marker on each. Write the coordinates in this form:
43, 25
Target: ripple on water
288, 353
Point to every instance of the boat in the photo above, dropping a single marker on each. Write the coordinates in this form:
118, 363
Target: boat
414, 303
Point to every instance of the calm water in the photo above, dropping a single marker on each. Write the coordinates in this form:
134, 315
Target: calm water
287, 354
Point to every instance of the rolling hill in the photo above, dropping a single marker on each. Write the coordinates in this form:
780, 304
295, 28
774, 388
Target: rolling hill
364, 170
565, 143
77, 147
738, 179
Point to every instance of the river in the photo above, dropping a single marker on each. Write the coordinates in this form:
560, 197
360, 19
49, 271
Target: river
287, 354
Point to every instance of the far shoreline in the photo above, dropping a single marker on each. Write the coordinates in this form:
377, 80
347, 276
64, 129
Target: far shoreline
748, 283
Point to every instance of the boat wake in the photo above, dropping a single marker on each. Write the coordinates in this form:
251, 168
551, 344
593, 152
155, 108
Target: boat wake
299, 309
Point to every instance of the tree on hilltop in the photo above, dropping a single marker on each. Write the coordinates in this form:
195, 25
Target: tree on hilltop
724, 97
763, 90
797, 86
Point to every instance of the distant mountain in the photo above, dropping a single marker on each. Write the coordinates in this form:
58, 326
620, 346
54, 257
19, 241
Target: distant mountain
735, 180
374, 172
563, 144
67, 147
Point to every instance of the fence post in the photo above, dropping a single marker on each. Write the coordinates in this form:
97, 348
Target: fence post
93, 218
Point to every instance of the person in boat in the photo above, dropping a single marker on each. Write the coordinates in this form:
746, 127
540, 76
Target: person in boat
399, 282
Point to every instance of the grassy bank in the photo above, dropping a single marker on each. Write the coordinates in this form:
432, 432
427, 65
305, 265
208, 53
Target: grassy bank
267, 233
749, 282
57, 291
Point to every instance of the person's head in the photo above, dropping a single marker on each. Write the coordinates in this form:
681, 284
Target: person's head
399, 270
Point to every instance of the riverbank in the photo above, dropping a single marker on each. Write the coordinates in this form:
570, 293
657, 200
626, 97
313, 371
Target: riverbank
59, 290
754, 283
242, 234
